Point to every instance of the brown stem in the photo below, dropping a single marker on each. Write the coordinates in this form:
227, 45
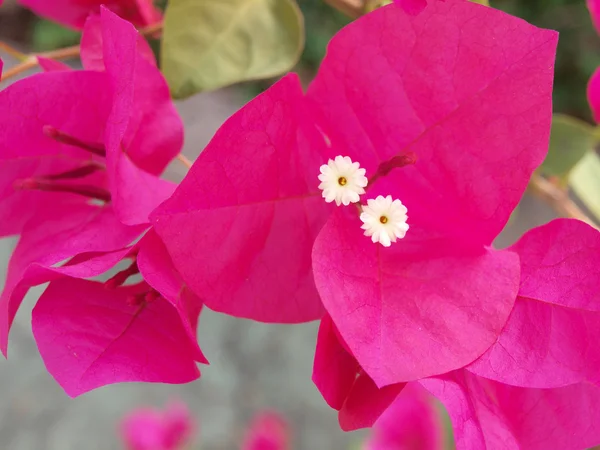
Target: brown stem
31, 61
352, 8
183, 160
13, 51
559, 199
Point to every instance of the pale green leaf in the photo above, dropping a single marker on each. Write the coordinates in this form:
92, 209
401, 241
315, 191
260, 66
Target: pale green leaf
209, 44
482, 2
585, 182
570, 140
372, 5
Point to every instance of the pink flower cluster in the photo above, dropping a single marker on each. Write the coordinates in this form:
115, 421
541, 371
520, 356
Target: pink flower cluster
447, 108
174, 429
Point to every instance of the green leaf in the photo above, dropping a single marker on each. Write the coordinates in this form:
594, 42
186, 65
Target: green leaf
570, 140
372, 5
482, 2
209, 44
585, 182
50, 36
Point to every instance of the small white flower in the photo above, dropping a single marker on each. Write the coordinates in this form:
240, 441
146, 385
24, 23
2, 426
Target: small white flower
384, 220
342, 181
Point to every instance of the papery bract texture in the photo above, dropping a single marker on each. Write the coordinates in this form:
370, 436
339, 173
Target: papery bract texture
90, 336
143, 130
449, 91
550, 338
344, 385
411, 422
268, 431
158, 271
395, 305
453, 87
241, 225
490, 415
68, 101
154, 429
73, 13
69, 231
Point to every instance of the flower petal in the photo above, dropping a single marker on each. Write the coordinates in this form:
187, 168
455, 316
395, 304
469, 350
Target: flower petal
550, 338
544, 346
411, 422
69, 101
334, 370
366, 403
560, 264
417, 308
158, 271
241, 225
473, 103
89, 336
144, 132
73, 13
490, 415
73, 230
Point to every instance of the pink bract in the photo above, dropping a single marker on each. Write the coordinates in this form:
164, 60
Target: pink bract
413, 7
412, 422
549, 340
73, 13
66, 231
593, 93
448, 86
68, 101
490, 415
154, 429
89, 335
143, 129
250, 202
344, 385
157, 269
268, 431
594, 7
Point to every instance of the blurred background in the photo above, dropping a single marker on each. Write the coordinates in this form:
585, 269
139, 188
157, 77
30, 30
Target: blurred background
253, 366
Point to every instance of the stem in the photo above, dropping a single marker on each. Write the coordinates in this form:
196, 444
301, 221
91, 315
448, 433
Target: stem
183, 160
352, 8
559, 199
13, 51
31, 61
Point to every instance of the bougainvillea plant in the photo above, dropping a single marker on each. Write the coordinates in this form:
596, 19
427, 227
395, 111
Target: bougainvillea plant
369, 202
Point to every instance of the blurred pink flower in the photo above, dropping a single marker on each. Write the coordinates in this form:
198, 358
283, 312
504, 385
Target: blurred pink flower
268, 431
155, 429
412, 422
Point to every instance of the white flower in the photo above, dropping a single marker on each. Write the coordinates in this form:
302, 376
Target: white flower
342, 180
384, 220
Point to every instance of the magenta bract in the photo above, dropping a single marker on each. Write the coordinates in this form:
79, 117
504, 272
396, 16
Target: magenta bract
489, 415
412, 421
449, 87
549, 338
73, 13
153, 429
240, 226
89, 335
268, 431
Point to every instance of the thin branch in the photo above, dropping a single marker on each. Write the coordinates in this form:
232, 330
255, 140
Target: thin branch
183, 160
6, 48
559, 199
31, 61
